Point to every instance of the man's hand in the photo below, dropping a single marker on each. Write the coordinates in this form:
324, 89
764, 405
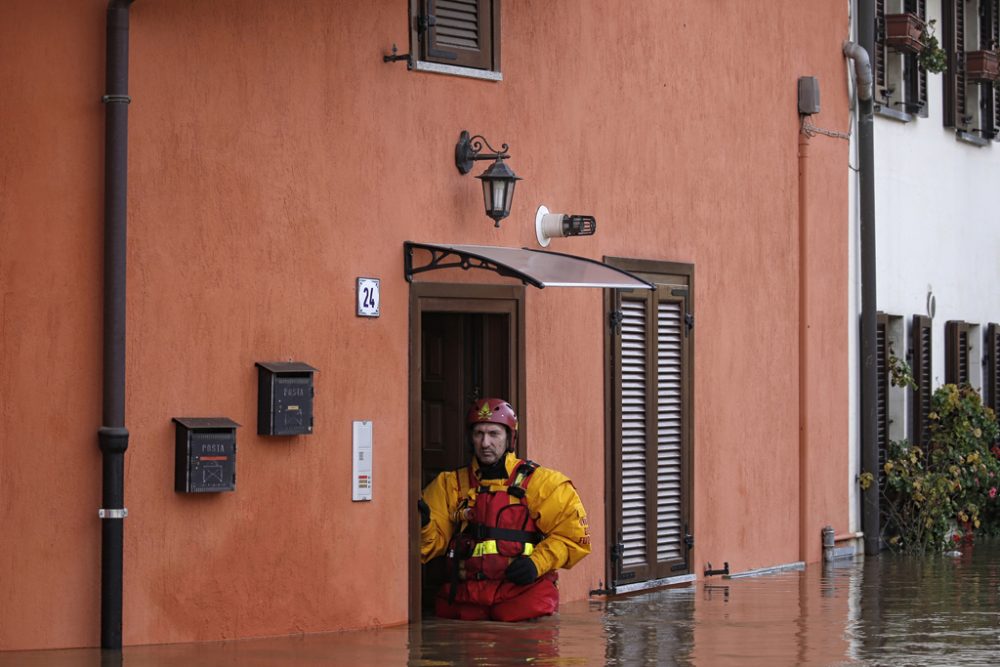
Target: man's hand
425, 512
522, 571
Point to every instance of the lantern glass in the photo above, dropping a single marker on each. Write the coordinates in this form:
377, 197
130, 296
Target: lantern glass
498, 190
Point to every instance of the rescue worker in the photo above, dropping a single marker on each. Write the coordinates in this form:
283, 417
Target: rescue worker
504, 525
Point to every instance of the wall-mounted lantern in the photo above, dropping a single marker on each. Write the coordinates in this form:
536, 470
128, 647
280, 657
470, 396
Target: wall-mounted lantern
498, 179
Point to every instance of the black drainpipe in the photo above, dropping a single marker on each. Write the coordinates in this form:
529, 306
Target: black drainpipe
113, 436
869, 372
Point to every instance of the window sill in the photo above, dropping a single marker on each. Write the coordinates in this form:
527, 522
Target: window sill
886, 112
453, 70
969, 138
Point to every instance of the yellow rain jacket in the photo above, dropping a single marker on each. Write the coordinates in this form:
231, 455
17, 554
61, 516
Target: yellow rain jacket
552, 502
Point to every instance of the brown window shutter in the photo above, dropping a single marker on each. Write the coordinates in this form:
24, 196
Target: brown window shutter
921, 351
953, 40
650, 435
671, 341
990, 34
653, 398
882, 393
916, 76
878, 58
460, 32
635, 431
956, 345
993, 367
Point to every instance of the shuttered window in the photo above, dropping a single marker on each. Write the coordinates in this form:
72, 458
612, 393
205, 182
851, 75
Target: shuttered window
971, 100
916, 76
956, 345
989, 30
650, 343
463, 33
900, 82
921, 353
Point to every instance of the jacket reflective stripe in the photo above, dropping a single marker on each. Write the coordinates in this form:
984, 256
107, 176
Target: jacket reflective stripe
487, 547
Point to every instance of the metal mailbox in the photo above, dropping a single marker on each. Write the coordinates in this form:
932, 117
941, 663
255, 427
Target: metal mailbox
206, 454
285, 395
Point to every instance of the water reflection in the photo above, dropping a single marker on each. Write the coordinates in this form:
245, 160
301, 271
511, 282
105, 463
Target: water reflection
880, 611
931, 611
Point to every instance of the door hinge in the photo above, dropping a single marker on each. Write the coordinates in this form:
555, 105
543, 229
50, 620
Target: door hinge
688, 540
617, 551
689, 321
615, 319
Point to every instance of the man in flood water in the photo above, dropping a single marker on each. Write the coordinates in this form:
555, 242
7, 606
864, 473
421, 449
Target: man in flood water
505, 526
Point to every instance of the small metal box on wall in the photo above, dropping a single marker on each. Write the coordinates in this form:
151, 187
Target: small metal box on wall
284, 398
206, 454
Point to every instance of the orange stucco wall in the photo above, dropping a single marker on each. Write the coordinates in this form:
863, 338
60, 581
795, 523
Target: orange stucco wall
273, 158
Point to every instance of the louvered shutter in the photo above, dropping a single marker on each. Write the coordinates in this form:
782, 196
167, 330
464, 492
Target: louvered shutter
956, 344
995, 30
878, 58
921, 350
669, 436
460, 32
634, 460
989, 35
916, 76
882, 394
953, 39
993, 367
651, 515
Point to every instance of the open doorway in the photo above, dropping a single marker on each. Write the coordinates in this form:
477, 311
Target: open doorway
466, 342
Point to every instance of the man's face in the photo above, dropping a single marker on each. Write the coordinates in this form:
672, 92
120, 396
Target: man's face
489, 441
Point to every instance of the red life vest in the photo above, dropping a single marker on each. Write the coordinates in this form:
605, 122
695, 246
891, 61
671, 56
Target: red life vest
498, 526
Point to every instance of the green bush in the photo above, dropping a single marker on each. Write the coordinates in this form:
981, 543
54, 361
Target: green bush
931, 498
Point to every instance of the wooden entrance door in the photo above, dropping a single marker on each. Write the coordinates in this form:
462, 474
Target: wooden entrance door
466, 343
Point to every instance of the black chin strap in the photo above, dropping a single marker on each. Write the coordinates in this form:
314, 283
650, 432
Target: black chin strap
496, 471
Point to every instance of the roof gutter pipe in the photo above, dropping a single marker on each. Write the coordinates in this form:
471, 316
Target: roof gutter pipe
113, 436
858, 53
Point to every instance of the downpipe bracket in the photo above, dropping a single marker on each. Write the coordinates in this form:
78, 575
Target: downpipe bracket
113, 439
113, 513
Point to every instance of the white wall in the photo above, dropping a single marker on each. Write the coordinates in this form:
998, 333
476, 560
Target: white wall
937, 220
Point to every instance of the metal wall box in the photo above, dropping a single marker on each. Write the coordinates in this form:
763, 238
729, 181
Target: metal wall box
284, 398
206, 455
808, 95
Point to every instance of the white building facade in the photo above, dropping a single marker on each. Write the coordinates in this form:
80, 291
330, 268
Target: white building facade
937, 219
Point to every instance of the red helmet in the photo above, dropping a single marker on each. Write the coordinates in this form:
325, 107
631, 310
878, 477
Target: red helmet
497, 411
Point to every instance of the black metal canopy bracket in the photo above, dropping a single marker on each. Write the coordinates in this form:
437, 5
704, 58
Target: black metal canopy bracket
446, 259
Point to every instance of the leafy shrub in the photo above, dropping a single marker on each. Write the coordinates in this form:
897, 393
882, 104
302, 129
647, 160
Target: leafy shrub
943, 494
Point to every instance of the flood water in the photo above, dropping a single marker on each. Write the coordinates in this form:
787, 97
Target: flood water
890, 610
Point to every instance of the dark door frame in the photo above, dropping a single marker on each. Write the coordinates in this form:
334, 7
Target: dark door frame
456, 298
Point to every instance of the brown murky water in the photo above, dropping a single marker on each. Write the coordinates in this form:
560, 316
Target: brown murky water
885, 611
